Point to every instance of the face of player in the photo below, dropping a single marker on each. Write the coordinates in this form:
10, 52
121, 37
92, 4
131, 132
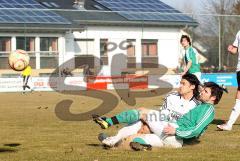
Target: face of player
185, 43
205, 95
185, 87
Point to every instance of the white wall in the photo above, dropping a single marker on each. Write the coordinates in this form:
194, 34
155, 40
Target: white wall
168, 40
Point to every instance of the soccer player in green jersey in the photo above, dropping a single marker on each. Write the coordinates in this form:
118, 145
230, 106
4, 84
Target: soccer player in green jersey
190, 125
191, 64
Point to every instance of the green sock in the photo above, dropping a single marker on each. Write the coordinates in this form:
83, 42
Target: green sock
109, 121
139, 140
129, 116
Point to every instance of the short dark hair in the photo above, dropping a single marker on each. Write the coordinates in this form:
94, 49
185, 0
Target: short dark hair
216, 90
193, 80
187, 38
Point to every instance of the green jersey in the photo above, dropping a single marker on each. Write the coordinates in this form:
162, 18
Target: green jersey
191, 55
195, 122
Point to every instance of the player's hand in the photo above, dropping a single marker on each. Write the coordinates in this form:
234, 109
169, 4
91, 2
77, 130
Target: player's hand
169, 130
232, 49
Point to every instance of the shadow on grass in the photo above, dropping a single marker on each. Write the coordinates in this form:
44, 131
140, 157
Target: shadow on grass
95, 145
218, 122
7, 150
12, 144
188, 142
105, 147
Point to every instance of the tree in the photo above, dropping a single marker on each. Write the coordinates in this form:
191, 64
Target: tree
208, 31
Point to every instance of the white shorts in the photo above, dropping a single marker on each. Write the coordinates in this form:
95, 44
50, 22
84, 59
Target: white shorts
151, 139
156, 122
155, 141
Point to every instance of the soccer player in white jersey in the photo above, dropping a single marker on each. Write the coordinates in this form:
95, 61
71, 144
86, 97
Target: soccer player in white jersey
175, 105
234, 49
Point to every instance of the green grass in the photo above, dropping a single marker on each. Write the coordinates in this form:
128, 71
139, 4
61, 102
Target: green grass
32, 134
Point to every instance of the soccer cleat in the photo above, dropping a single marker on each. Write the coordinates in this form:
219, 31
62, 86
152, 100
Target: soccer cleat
110, 141
140, 147
224, 127
102, 136
101, 121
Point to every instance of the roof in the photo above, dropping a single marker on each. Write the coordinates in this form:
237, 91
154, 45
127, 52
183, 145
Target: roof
100, 12
24, 15
95, 12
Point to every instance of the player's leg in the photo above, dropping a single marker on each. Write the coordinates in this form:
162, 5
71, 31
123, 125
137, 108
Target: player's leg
26, 82
172, 142
156, 122
122, 133
146, 142
235, 111
129, 117
24, 78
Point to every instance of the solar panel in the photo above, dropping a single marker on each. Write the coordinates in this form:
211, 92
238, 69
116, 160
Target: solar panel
28, 11
157, 10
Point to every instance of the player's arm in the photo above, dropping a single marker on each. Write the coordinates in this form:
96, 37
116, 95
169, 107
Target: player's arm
189, 64
232, 49
190, 132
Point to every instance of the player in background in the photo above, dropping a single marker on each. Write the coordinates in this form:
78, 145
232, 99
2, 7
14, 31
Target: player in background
175, 105
26, 73
190, 58
234, 49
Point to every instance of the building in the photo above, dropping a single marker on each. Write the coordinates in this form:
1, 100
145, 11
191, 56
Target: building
91, 32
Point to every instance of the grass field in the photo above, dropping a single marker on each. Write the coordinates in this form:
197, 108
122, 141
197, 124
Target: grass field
30, 131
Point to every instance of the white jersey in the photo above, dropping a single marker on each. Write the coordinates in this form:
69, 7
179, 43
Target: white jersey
175, 106
236, 43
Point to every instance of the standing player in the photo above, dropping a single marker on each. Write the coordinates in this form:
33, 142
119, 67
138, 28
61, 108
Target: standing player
26, 75
175, 105
190, 59
234, 49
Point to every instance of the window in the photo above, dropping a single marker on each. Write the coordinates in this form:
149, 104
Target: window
84, 46
5, 44
149, 47
5, 49
131, 47
103, 47
25, 43
104, 51
84, 51
131, 60
48, 52
48, 44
